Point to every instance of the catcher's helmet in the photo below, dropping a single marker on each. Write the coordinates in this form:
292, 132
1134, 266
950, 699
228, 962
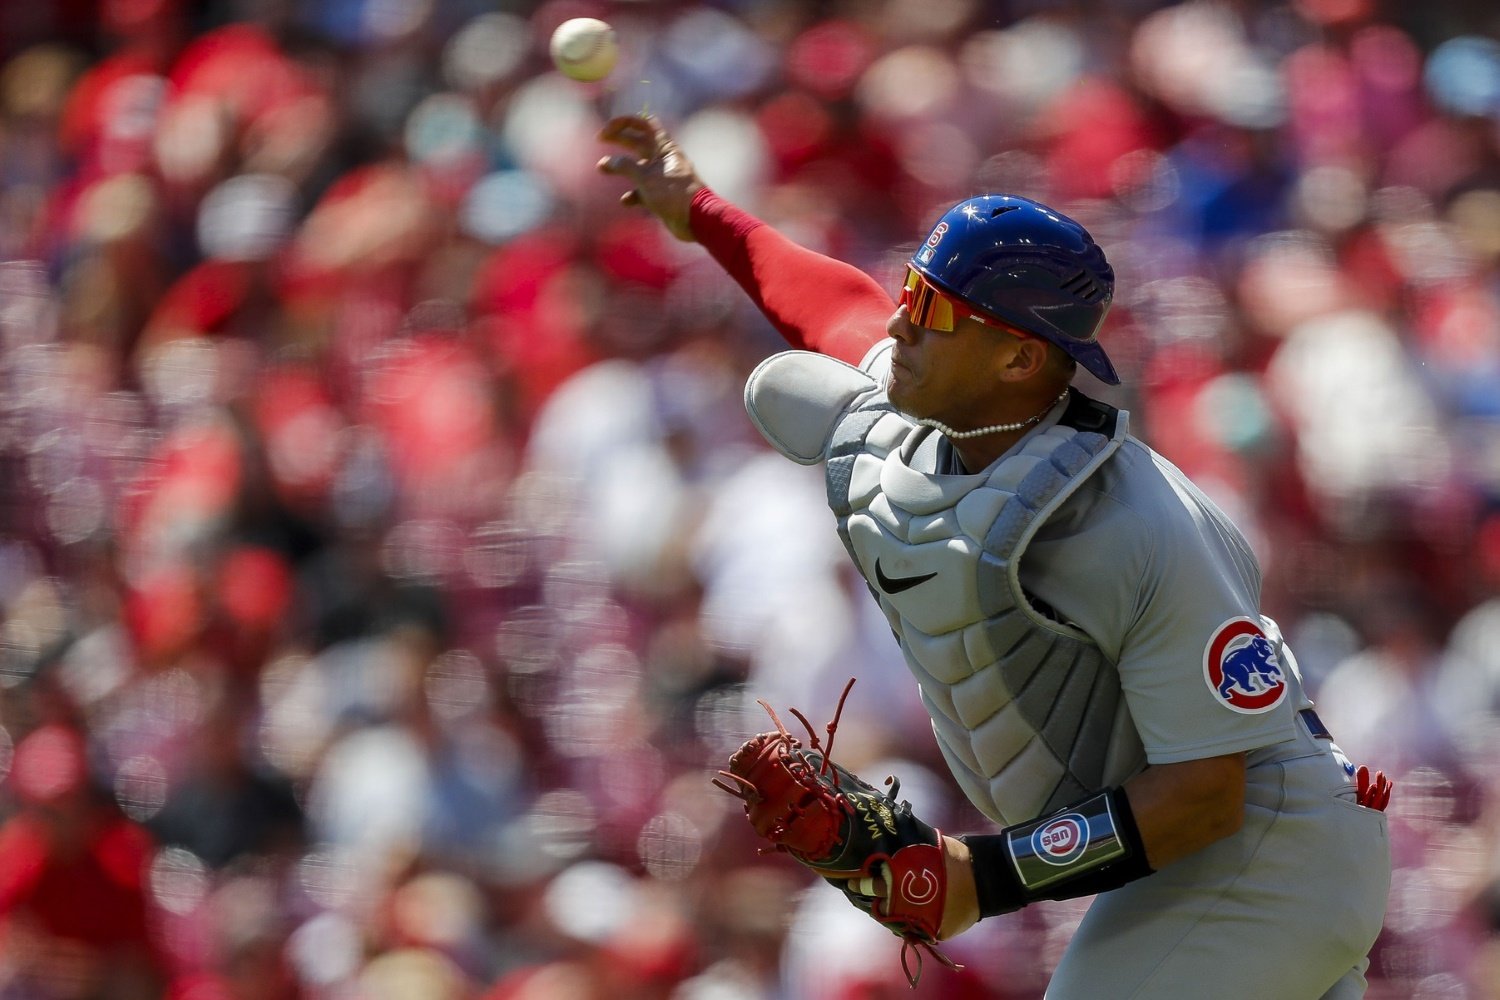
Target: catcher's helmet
1027, 265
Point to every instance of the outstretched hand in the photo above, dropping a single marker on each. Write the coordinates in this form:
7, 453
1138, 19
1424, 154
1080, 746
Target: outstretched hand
662, 178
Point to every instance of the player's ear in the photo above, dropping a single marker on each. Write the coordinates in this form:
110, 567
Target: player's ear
1022, 358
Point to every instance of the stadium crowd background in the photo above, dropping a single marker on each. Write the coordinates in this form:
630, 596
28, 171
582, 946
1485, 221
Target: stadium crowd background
386, 563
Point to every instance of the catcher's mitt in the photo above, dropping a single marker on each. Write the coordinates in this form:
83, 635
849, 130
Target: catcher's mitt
863, 841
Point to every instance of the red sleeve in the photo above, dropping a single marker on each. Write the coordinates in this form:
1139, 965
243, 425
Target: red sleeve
818, 303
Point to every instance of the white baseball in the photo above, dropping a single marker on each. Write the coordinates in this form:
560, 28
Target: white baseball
584, 48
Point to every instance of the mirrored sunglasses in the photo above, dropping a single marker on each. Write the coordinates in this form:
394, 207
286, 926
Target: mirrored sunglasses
930, 307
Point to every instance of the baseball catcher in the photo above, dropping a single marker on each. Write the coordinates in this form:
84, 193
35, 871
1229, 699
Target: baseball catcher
1083, 623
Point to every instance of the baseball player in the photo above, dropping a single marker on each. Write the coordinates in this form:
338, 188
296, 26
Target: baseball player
1083, 623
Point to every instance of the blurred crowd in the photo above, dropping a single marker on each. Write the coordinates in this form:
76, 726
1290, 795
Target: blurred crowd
386, 562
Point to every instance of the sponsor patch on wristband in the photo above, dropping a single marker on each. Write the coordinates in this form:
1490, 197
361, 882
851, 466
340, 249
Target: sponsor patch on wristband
1060, 841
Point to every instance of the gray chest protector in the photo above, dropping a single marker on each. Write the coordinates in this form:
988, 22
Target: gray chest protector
1026, 708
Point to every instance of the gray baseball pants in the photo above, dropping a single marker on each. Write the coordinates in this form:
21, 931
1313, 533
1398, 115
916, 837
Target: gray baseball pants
1285, 909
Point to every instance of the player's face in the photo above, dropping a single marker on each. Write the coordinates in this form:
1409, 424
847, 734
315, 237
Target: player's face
946, 375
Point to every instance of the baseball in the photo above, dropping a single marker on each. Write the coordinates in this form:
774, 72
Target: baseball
584, 48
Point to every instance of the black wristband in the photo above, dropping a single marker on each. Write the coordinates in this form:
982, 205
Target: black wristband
1083, 849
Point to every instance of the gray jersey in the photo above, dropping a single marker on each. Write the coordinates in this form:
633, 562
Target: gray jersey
1141, 626
1129, 577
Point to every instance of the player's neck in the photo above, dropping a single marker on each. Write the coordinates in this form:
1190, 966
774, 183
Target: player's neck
979, 447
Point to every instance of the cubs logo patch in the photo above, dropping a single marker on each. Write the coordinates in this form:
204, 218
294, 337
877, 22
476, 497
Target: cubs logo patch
1241, 668
1061, 840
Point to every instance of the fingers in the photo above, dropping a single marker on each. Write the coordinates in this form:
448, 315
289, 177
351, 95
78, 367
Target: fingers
631, 169
623, 166
626, 124
874, 886
642, 134
1383, 786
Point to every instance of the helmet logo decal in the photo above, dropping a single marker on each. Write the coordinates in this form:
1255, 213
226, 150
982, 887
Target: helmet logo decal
925, 254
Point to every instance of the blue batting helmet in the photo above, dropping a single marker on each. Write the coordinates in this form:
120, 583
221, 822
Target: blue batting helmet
1031, 267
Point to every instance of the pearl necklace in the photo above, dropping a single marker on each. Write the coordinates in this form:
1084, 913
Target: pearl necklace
993, 428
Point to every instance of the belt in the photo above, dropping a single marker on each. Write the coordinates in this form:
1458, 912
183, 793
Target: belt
1315, 725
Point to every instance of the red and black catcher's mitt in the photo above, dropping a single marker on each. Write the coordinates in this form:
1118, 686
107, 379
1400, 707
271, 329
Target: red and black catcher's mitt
833, 822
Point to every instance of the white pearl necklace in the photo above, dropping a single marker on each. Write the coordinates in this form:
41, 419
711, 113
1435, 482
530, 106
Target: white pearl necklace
993, 428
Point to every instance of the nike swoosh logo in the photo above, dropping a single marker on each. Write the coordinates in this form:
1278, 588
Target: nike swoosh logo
895, 585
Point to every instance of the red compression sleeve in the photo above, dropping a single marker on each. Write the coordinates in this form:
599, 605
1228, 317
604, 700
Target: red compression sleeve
818, 303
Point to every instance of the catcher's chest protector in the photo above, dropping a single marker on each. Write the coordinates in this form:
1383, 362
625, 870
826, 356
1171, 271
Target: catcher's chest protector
1027, 710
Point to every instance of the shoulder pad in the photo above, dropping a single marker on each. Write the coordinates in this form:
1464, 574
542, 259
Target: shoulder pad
795, 400
1091, 416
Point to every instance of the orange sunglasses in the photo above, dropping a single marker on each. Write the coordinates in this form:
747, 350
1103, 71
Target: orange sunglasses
930, 307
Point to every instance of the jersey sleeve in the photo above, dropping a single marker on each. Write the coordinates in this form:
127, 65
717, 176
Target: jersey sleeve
1144, 563
817, 303
1198, 670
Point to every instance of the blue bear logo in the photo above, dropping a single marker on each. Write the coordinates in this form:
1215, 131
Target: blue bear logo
1251, 669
